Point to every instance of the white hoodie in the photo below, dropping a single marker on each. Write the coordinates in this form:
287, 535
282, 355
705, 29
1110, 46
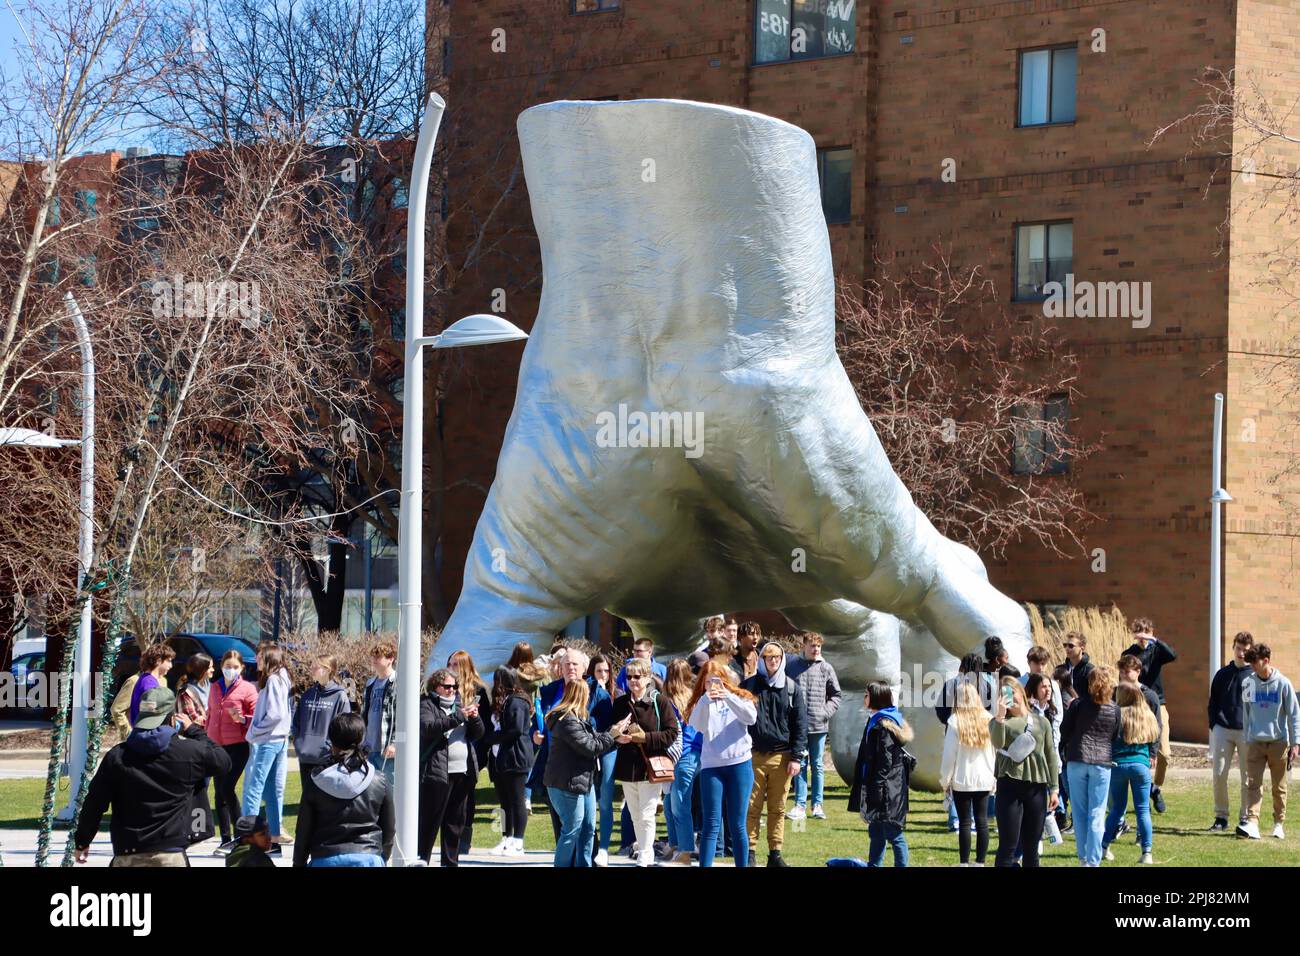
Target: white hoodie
724, 729
963, 768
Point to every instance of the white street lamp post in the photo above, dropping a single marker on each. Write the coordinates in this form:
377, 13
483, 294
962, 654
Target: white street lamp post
85, 546
1218, 496
471, 330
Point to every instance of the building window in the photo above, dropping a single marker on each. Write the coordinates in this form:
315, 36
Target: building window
835, 174
801, 29
55, 212
86, 200
1044, 253
593, 6
1035, 450
401, 194
1047, 86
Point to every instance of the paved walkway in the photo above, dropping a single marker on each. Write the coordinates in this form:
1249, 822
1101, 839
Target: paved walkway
18, 848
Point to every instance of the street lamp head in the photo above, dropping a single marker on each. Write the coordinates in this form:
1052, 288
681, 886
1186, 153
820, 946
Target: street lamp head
479, 329
34, 439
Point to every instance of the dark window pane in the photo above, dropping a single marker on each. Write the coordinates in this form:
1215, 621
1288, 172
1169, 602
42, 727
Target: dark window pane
1060, 250
772, 26
1064, 64
836, 183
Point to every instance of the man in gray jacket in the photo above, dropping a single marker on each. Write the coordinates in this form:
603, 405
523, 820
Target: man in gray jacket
1271, 727
821, 687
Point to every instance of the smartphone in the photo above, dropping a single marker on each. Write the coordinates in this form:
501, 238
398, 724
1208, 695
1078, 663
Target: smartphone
1008, 695
715, 681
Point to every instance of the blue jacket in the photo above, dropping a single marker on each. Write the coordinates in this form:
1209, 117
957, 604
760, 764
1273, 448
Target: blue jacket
657, 669
600, 707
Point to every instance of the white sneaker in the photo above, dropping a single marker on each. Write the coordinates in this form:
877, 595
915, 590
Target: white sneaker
602, 858
1109, 855
1249, 830
1146, 858
516, 847
798, 813
817, 812
645, 859
502, 848
1040, 847
1278, 832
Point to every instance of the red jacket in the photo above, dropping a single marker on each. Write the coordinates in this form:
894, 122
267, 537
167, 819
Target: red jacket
222, 728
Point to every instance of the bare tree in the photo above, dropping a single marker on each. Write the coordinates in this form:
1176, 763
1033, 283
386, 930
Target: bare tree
957, 391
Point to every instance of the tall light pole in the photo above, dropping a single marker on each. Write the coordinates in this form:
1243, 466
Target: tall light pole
1218, 496
471, 330
80, 689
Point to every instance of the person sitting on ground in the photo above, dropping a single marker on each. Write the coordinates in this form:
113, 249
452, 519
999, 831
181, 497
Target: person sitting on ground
253, 840
347, 818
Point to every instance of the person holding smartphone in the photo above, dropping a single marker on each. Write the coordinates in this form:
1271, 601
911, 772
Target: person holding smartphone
1026, 773
723, 714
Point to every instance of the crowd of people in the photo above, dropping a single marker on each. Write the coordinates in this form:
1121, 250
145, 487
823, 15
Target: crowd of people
717, 740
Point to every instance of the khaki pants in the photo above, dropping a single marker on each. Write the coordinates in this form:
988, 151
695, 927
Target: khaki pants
1261, 754
1223, 744
177, 858
771, 787
1164, 753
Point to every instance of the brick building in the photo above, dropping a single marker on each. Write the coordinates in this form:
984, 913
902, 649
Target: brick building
1016, 132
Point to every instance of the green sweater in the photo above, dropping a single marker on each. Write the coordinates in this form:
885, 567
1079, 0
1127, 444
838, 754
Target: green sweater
1041, 766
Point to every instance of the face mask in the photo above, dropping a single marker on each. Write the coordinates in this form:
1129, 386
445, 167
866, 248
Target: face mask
230, 673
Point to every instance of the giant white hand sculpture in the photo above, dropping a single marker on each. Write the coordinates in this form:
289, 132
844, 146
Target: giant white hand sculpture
687, 269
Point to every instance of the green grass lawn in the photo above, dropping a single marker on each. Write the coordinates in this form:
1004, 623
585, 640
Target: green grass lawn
1180, 837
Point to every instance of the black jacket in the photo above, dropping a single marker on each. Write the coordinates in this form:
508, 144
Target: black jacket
659, 721
1155, 657
149, 780
571, 765
883, 773
1088, 730
514, 741
782, 724
1226, 708
1079, 674
345, 812
435, 725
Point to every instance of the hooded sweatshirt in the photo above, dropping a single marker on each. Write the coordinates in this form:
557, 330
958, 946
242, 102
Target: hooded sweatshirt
348, 811
1271, 712
311, 721
273, 715
724, 730
782, 724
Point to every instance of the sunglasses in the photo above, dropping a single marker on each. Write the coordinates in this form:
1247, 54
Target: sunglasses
448, 686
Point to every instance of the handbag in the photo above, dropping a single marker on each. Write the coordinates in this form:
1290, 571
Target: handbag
1023, 745
659, 768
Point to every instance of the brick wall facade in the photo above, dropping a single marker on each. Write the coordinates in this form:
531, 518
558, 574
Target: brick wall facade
932, 81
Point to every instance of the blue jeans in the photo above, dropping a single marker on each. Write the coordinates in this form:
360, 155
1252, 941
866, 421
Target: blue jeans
1089, 787
1136, 776
349, 859
736, 782
886, 833
816, 750
387, 765
268, 766
607, 798
577, 812
681, 825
